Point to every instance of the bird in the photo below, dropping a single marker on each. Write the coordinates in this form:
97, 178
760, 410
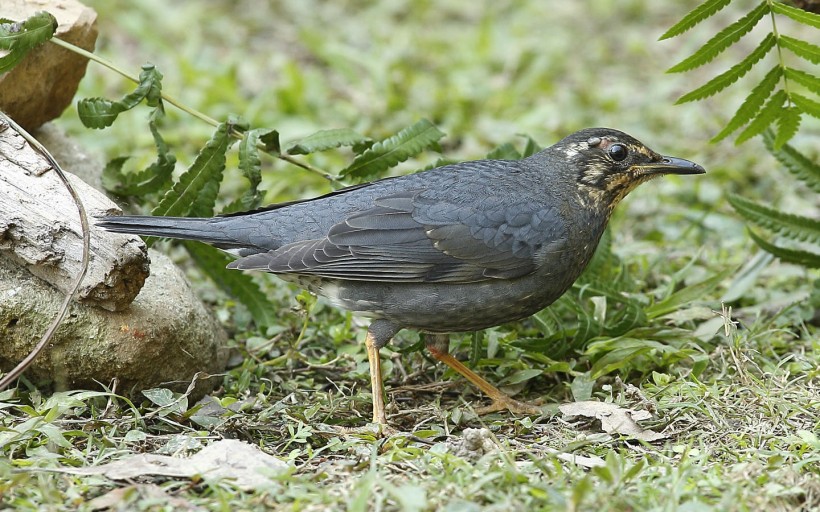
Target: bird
462, 247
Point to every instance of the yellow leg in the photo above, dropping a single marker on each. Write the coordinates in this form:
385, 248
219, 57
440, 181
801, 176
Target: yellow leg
500, 400
376, 384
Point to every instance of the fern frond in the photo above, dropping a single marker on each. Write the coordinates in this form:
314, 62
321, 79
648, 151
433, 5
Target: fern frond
722, 40
731, 76
787, 125
389, 152
326, 139
803, 168
807, 80
804, 49
767, 115
807, 105
751, 105
798, 15
798, 257
695, 16
791, 226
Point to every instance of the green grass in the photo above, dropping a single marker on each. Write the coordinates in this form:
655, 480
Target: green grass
740, 407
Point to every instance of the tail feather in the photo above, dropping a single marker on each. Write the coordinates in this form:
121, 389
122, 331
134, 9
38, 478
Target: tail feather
185, 228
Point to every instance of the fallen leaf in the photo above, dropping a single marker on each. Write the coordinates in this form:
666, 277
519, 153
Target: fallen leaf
248, 466
614, 419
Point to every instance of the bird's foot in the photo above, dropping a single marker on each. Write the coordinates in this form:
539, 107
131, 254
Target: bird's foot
505, 403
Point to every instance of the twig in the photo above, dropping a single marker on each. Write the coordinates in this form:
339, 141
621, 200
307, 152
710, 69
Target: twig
25, 363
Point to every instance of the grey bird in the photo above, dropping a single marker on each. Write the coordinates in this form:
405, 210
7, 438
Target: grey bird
457, 248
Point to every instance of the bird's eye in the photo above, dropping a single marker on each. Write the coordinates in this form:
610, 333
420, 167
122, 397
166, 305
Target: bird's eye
618, 152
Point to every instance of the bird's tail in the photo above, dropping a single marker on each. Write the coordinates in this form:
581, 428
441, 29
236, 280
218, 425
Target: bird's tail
185, 228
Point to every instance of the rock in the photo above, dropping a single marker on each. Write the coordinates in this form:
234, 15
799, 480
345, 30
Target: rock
166, 336
40, 229
40, 87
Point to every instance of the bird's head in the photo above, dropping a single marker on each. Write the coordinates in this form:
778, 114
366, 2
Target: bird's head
610, 164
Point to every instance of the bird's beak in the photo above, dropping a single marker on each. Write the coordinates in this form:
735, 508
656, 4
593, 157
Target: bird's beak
670, 165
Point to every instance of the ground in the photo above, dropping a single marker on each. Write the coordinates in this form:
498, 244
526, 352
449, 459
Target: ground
735, 392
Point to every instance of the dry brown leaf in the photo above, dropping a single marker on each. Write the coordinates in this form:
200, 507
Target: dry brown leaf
614, 419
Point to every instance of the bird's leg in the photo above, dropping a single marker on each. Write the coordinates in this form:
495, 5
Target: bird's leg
378, 334
438, 346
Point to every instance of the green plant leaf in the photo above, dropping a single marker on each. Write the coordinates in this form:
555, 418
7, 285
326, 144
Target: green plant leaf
195, 192
101, 113
807, 80
687, 295
803, 49
807, 105
326, 139
767, 115
751, 105
695, 16
791, 226
238, 285
387, 153
251, 167
787, 125
803, 168
20, 38
149, 180
796, 256
798, 15
505, 151
731, 76
722, 40
530, 148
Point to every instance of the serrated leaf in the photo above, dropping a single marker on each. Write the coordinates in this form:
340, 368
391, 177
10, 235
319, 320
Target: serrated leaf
20, 38
807, 105
796, 256
531, 148
251, 167
101, 113
731, 76
722, 40
149, 180
803, 49
703, 11
751, 105
789, 225
787, 125
799, 15
195, 192
798, 164
807, 80
236, 284
686, 295
767, 115
505, 151
387, 153
326, 139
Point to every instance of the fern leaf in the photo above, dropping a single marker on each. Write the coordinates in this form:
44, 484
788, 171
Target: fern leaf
807, 105
731, 76
326, 139
803, 168
791, 226
767, 115
239, 285
807, 80
195, 192
804, 49
505, 151
251, 167
798, 15
389, 152
695, 16
722, 40
787, 125
101, 113
151, 179
21, 38
751, 105
798, 257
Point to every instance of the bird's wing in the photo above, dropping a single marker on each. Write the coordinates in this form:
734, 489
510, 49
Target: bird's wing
423, 236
